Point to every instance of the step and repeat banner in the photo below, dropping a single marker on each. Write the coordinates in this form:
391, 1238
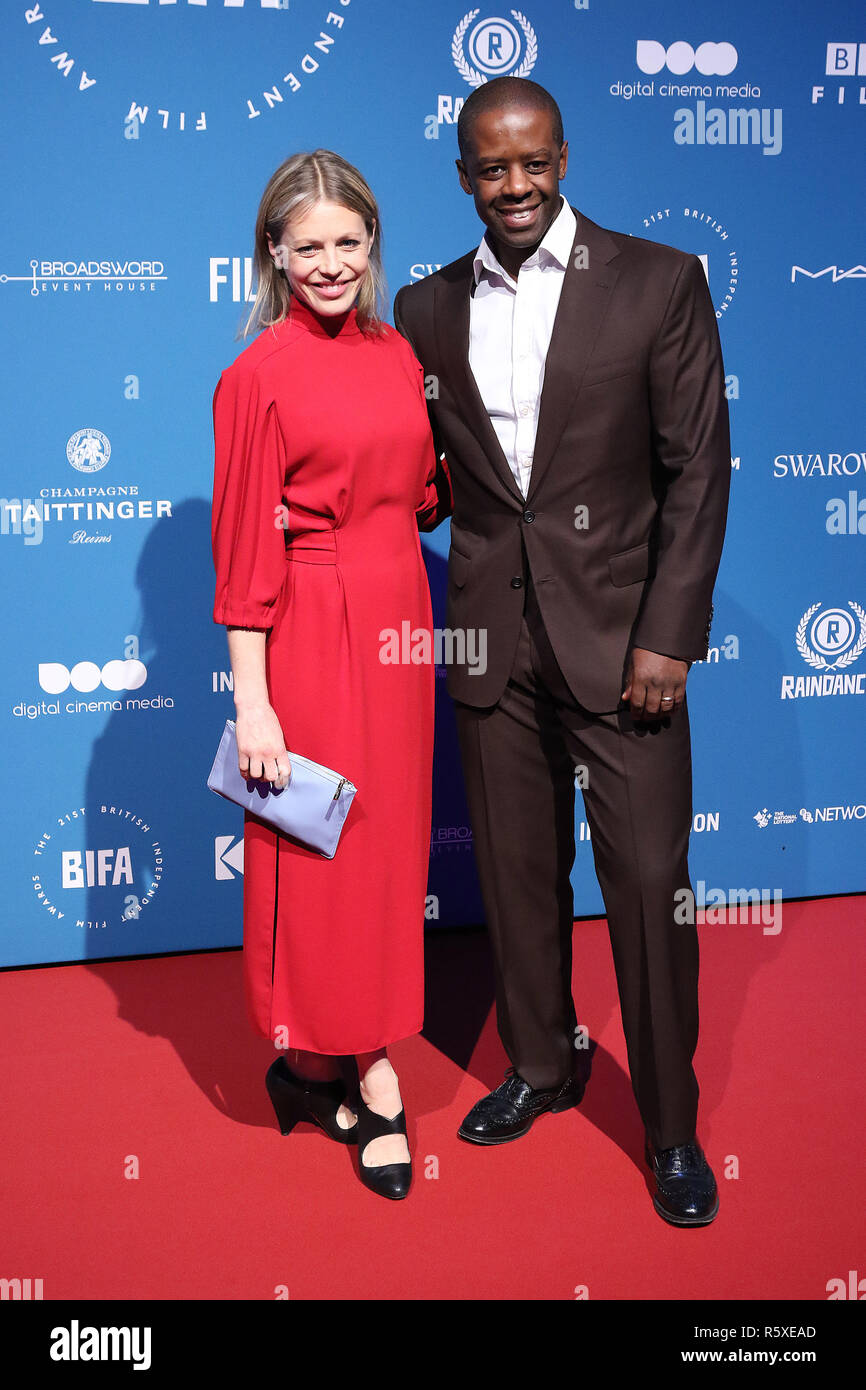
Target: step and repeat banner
138, 136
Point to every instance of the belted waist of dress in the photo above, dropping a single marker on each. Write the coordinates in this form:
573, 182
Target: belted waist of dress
313, 548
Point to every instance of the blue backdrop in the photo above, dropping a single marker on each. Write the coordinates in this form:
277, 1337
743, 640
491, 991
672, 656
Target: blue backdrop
138, 136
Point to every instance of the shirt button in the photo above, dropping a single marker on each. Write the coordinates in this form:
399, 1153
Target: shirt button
528, 515
517, 582
524, 410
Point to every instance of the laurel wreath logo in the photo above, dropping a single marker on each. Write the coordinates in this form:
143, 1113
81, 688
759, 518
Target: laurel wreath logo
471, 74
815, 659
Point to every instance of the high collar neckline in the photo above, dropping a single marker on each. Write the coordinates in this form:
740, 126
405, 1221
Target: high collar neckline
336, 326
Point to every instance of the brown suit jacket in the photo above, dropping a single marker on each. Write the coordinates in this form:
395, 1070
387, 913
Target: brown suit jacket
633, 426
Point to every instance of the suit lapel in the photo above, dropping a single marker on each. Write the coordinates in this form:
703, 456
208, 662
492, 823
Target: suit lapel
583, 303
452, 328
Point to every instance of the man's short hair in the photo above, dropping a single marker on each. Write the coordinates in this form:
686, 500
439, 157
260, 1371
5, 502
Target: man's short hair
511, 93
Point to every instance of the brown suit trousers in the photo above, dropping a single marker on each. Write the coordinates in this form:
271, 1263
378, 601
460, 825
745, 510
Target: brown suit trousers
519, 760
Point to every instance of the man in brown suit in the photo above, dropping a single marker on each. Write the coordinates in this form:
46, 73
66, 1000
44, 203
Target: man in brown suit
581, 411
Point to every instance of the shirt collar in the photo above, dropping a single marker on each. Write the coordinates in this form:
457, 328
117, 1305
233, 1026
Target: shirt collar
555, 246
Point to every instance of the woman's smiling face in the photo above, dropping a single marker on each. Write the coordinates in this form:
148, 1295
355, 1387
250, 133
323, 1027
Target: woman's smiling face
325, 254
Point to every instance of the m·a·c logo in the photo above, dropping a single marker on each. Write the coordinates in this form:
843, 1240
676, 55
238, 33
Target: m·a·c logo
832, 273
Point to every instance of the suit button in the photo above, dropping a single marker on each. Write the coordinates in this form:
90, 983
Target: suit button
528, 516
517, 582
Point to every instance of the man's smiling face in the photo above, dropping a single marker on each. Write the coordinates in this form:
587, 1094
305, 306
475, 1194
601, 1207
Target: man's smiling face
512, 170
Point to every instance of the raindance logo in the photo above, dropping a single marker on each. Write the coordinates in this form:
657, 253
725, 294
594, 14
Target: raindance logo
113, 60
88, 450
829, 640
493, 47
690, 228
98, 866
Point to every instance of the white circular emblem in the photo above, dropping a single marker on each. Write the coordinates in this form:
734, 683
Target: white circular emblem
830, 638
494, 47
88, 450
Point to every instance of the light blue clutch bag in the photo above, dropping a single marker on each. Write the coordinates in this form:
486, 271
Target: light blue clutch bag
312, 808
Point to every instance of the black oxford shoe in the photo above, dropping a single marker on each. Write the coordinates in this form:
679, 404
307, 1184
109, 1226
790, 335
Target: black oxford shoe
686, 1193
508, 1112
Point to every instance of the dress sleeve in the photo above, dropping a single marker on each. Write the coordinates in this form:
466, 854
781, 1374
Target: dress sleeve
247, 534
438, 499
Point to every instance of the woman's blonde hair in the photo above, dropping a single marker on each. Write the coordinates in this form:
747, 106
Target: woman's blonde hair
292, 191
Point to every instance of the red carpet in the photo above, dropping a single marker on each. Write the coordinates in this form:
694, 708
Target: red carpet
153, 1061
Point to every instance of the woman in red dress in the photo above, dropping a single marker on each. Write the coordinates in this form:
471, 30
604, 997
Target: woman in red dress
325, 469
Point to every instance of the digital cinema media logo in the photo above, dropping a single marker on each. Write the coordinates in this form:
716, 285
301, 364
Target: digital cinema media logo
682, 70
115, 66
98, 866
830, 640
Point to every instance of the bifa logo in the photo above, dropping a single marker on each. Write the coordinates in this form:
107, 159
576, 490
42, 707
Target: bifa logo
95, 868
85, 676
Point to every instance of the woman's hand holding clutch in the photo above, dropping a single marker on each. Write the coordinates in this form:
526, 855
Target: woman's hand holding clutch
262, 754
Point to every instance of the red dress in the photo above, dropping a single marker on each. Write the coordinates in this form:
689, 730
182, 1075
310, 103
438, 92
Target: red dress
324, 470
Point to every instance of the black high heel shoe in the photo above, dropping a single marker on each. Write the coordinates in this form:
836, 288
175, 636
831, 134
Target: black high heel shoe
295, 1098
388, 1179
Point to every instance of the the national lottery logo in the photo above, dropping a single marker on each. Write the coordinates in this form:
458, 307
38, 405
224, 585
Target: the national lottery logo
493, 47
88, 450
830, 640
97, 866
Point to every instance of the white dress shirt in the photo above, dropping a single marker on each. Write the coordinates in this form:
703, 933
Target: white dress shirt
510, 324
